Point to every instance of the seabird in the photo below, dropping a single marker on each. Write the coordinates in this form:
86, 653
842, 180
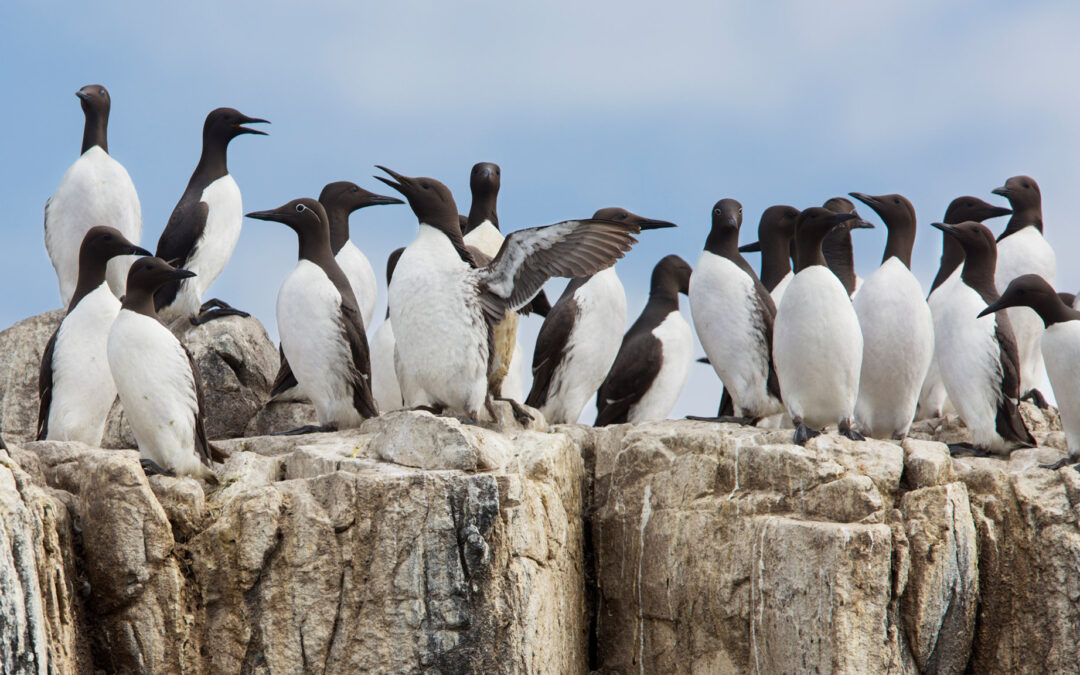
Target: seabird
817, 344
205, 224
933, 401
976, 353
340, 199
897, 327
733, 315
75, 385
157, 379
1022, 249
581, 335
95, 190
776, 237
444, 311
837, 249
651, 368
322, 332
1060, 349
384, 382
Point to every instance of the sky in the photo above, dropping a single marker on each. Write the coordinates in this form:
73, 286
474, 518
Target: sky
662, 110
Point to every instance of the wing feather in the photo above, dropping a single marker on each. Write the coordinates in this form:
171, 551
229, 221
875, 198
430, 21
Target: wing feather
45, 385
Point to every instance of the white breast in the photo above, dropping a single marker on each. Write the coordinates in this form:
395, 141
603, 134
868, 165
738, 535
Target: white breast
157, 389
83, 389
968, 357
1026, 252
898, 344
513, 385
1061, 350
486, 237
778, 292
95, 190
438, 326
361, 278
591, 348
723, 304
817, 348
384, 383
213, 249
309, 323
677, 343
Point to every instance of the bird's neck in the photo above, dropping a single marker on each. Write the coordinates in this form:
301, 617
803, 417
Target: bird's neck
91, 276
315, 246
952, 256
96, 130
1023, 217
838, 255
339, 227
900, 242
213, 162
723, 242
775, 262
140, 301
979, 271
483, 208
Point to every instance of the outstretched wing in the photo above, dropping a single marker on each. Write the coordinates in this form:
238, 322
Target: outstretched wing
529, 257
185, 226
550, 345
628, 380
45, 385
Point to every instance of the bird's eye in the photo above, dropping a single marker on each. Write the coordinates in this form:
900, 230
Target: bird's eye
968, 204
300, 208
1026, 186
895, 201
101, 92
425, 186
716, 211
107, 237
355, 189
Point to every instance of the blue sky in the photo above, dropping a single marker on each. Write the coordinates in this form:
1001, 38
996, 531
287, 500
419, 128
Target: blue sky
660, 110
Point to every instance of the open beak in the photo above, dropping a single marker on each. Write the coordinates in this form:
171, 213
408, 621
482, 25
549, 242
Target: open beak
754, 247
251, 120
400, 183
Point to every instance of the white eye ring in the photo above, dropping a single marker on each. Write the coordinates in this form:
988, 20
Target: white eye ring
300, 208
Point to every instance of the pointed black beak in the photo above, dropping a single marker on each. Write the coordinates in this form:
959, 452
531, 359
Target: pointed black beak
998, 211
947, 229
251, 120
650, 224
136, 250
267, 215
866, 199
844, 217
178, 274
995, 306
83, 96
1002, 191
754, 247
376, 200
860, 224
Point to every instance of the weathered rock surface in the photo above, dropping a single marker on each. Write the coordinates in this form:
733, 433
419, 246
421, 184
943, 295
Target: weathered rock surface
419, 544
236, 361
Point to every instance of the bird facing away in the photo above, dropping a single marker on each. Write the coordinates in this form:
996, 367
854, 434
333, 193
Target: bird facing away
205, 224
933, 401
733, 314
897, 327
340, 199
817, 344
1022, 249
75, 385
157, 379
322, 333
1060, 348
976, 354
776, 240
837, 249
582, 333
651, 368
95, 190
444, 311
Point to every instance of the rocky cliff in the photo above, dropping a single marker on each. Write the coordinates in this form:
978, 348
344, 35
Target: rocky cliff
417, 544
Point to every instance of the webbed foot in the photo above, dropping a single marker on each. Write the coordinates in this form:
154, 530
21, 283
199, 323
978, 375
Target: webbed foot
151, 468
306, 429
1036, 397
967, 450
804, 433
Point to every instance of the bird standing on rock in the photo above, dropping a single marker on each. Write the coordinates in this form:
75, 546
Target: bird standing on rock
897, 327
75, 385
1060, 348
205, 224
817, 344
582, 333
322, 332
95, 190
444, 311
157, 379
651, 368
976, 352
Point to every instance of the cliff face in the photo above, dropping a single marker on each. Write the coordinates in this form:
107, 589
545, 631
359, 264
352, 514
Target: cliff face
417, 544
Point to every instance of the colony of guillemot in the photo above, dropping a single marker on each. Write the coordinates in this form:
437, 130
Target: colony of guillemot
807, 337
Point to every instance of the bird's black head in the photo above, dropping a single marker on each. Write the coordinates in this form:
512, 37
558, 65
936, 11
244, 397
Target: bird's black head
727, 214
633, 221
430, 200
816, 222
972, 208
94, 98
1028, 290
148, 274
844, 205
224, 124
304, 216
894, 209
103, 242
976, 238
1021, 191
485, 179
671, 276
350, 197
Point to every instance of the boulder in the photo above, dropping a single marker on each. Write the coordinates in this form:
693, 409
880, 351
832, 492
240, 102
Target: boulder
21, 347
